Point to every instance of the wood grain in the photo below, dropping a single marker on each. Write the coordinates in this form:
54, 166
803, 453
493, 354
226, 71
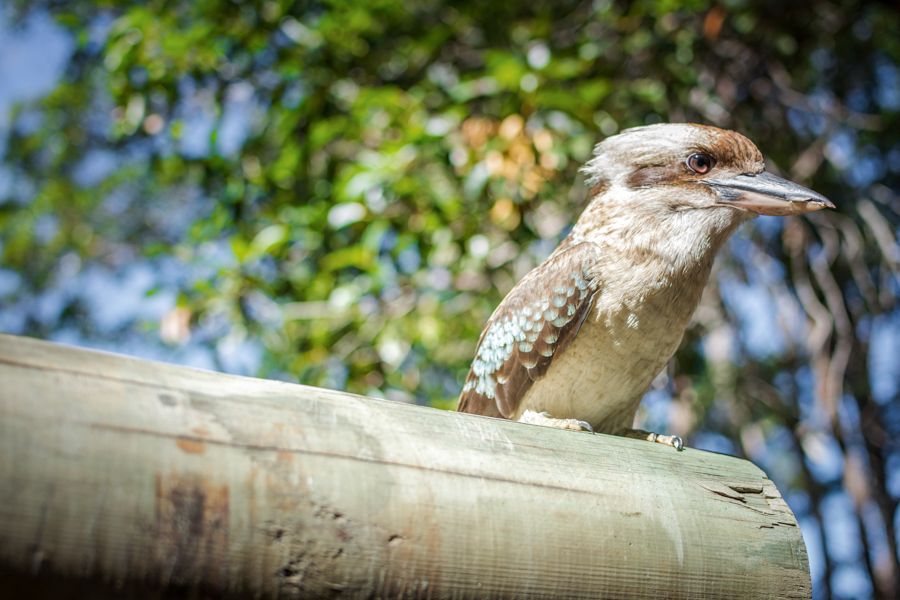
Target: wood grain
120, 475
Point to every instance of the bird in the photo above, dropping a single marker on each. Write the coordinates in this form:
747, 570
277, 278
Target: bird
578, 340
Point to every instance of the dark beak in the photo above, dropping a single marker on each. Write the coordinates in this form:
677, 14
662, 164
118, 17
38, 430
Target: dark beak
767, 194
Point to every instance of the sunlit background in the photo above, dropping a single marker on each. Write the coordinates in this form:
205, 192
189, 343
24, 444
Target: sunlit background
339, 193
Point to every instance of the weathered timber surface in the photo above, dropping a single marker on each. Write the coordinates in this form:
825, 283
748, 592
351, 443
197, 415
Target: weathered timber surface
123, 476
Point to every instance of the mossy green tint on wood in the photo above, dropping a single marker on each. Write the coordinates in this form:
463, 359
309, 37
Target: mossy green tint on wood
123, 474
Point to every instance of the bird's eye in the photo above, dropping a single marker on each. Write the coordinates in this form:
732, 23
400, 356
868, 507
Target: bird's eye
701, 163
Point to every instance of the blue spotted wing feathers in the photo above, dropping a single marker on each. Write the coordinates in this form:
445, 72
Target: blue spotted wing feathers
532, 325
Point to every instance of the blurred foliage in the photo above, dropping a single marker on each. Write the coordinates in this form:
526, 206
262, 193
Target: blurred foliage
353, 186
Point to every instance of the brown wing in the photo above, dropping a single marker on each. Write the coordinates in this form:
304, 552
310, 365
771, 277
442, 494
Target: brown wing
533, 324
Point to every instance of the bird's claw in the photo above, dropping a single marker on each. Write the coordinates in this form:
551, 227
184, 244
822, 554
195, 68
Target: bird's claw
669, 440
543, 418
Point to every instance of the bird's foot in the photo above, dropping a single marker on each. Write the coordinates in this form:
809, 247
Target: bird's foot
639, 434
542, 418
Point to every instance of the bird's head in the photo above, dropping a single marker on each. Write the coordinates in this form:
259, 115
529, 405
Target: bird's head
678, 167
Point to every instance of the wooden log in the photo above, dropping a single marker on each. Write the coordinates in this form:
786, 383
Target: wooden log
123, 475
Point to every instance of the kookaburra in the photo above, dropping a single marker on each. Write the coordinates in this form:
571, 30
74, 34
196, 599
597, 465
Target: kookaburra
576, 343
